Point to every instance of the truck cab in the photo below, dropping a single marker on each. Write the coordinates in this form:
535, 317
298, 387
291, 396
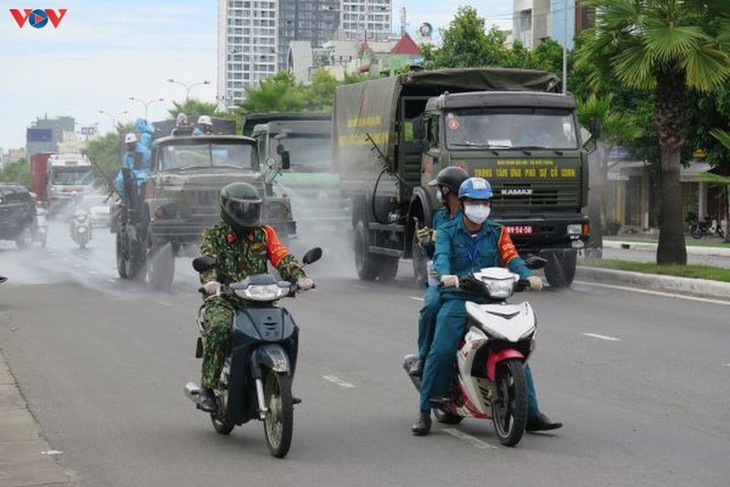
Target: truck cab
68, 175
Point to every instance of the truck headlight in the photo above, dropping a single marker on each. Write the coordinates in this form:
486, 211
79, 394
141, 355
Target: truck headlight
575, 229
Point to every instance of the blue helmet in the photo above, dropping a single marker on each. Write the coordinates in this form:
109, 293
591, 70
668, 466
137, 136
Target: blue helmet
476, 189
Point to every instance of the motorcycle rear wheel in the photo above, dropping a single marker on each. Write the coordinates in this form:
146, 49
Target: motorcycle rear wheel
509, 406
279, 418
696, 232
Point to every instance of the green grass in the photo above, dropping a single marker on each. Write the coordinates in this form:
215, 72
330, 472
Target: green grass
689, 241
692, 271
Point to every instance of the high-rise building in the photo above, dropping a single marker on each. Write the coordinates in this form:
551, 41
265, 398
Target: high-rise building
254, 36
366, 20
47, 134
560, 20
315, 21
247, 46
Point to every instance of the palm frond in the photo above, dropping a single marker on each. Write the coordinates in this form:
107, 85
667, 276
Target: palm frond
668, 42
722, 136
635, 67
706, 68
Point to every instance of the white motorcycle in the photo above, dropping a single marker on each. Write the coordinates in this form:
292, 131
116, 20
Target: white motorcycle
80, 227
489, 382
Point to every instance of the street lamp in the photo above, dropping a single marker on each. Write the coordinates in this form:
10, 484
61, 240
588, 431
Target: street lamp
146, 104
114, 116
188, 87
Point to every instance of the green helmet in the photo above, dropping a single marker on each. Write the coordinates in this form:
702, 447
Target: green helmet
241, 206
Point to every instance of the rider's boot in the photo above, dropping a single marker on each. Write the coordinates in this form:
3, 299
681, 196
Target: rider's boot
541, 423
416, 369
422, 426
206, 400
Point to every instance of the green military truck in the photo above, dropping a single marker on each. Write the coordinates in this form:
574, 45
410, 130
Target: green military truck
168, 214
513, 127
298, 148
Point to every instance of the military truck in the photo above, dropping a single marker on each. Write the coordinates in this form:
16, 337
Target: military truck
181, 198
392, 135
300, 144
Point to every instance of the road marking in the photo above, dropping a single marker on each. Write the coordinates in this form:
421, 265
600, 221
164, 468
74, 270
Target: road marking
417, 299
482, 445
602, 337
111, 280
163, 303
51, 452
357, 286
726, 365
337, 380
655, 293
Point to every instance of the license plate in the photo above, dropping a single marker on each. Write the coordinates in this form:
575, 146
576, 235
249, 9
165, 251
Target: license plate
520, 230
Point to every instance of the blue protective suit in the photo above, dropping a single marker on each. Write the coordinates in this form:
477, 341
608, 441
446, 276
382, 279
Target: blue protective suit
459, 253
144, 144
143, 151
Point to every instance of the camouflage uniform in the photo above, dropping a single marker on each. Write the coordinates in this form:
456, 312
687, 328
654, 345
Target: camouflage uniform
238, 256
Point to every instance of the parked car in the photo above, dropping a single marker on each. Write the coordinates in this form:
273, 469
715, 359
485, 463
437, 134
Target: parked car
17, 214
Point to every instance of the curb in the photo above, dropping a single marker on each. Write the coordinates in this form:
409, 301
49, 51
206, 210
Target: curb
646, 246
702, 288
23, 458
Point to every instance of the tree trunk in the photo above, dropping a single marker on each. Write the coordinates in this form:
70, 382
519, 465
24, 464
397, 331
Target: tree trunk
671, 96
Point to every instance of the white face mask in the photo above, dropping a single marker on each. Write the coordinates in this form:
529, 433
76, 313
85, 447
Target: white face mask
477, 213
439, 196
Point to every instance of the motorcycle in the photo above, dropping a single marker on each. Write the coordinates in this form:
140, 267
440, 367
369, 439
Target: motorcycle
489, 380
80, 227
256, 379
709, 226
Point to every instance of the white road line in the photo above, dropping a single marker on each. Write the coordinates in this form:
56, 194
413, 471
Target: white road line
655, 293
482, 445
337, 380
357, 286
602, 337
726, 365
51, 452
111, 280
93, 272
163, 303
417, 299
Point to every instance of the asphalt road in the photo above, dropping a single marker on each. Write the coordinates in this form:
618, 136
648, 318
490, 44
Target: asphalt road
641, 382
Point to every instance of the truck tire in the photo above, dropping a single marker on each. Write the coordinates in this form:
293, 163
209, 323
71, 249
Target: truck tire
366, 264
560, 268
387, 267
136, 260
161, 267
121, 256
419, 259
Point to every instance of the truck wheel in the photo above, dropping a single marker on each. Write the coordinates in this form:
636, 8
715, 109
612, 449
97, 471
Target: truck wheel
419, 259
121, 256
560, 268
365, 262
161, 267
387, 267
136, 261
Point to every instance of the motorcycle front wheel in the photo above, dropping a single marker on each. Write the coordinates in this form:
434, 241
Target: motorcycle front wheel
509, 405
696, 232
220, 425
279, 418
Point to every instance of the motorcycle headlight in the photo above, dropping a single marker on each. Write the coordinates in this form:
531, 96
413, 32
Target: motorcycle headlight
500, 288
262, 292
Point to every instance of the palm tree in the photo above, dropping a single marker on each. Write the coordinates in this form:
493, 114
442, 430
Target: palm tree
670, 46
616, 128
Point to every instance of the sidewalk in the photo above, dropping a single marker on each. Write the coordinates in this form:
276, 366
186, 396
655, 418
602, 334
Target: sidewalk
669, 284
24, 459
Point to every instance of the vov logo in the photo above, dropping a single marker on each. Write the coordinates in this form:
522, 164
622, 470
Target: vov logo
39, 17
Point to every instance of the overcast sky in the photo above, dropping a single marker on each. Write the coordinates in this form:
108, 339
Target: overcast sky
105, 51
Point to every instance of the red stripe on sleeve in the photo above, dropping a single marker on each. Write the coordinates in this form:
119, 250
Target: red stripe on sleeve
276, 251
507, 250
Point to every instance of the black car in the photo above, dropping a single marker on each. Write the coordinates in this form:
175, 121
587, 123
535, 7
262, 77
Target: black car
17, 214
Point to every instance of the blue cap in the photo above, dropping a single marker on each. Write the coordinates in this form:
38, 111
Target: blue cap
476, 189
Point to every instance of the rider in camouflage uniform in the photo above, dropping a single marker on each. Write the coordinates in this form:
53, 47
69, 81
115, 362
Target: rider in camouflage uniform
241, 247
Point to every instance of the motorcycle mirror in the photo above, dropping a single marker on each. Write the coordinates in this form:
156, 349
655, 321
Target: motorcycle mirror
204, 263
535, 262
312, 255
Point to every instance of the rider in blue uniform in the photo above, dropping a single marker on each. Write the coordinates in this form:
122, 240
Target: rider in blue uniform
466, 245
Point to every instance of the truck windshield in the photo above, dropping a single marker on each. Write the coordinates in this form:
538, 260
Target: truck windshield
511, 129
307, 153
72, 176
218, 154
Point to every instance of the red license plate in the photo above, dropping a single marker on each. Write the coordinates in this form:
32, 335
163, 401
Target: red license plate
520, 229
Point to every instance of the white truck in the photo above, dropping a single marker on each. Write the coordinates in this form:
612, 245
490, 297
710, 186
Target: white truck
68, 175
